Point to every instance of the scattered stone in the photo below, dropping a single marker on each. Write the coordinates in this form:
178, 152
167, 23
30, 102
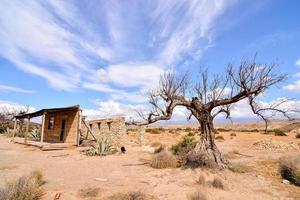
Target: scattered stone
272, 145
285, 181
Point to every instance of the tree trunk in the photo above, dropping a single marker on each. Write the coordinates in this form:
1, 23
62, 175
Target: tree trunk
206, 152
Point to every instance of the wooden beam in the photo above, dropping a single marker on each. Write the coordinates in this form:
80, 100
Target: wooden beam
27, 130
89, 130
15, 128
43, 127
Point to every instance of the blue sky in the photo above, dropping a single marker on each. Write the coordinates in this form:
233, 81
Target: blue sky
105, 55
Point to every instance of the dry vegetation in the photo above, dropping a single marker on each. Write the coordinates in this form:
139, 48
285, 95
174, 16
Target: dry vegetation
24, 188
131, 196
162, 160
289, 168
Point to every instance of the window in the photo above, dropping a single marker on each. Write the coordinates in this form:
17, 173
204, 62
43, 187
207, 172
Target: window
109, 125
99, 125
51, 123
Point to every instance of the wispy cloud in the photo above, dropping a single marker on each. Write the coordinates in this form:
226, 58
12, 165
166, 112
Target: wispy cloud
8, 88
295, 86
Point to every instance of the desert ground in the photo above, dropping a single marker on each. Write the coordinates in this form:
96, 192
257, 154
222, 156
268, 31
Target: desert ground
76, 176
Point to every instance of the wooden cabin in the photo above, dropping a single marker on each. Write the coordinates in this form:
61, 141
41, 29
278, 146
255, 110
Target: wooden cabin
59, 125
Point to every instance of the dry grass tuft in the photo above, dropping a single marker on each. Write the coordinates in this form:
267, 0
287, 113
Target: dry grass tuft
24, 188
201, 180
232, 134
197, 196
238, 168
155, 144
131, 196
289, 168
217, 183
89, 192
279, 132
162, 160
297, 135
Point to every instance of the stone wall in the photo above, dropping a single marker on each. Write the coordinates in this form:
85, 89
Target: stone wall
114, 128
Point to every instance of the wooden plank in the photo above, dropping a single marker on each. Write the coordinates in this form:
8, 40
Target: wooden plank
89, 130
27, 130
78, 127
15, 129
43, 128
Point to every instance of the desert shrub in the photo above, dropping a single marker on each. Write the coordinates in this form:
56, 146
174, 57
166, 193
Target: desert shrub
178, 129
155, 144
191, 134
188, 129
8, 132
162, 160
289, 168
89, 192
155, 130
297, 135
223, 129
201, 180
279, 132
36, 134
197, 196
254, 130
217, 183
186, 144
238, 168
219, 137
131, 196
102, 147
232, 134
24, 188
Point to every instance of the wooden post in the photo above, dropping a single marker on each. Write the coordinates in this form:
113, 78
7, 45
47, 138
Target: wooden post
15, 128
78, 127
43, 127
27, 129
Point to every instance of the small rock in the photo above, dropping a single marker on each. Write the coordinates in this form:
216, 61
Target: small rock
285, 181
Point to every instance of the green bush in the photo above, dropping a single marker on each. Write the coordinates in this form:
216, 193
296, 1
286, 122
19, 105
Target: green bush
102, 147
186, 144
279, 132
289, 168
219, 137
24, 188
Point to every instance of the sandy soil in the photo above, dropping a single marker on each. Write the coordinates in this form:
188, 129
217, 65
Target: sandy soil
68, 171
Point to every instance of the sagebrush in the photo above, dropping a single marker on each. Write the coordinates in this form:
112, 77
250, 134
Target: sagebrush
186, 144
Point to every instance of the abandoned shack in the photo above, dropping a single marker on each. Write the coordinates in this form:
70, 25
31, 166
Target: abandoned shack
59, 125
66, 126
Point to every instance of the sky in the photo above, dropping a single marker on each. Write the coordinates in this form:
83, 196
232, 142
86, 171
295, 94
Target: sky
106, 55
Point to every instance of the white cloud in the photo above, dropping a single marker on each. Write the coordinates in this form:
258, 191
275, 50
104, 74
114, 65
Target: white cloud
142, 75
7, 88
112, 109
8, 106
298, 62
294, 87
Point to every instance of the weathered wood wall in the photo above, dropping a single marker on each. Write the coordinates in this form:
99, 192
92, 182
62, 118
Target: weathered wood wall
71, 127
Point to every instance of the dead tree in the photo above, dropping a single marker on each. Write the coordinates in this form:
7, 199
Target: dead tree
209, 97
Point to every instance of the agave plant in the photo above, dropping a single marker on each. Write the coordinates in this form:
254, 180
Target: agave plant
36, 134
103, 146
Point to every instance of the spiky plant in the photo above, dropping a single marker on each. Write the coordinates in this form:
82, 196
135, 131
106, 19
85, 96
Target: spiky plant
102, 147
36, 134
